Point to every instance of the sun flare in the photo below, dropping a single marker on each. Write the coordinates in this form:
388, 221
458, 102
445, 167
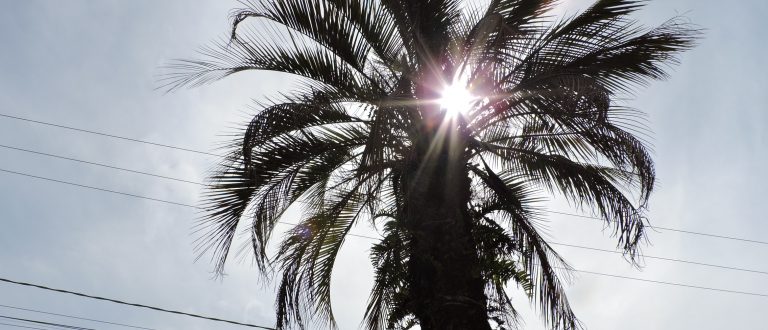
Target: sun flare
456, 99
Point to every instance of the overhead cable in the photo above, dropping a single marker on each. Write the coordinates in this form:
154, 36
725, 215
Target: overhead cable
75, 317
121, 302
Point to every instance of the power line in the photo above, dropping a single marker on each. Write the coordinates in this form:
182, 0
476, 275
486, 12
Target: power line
117, 192
256, 326
101, 165
669, 229
99, 189
375, 238
192, 206
58, 325
262, 327
75, 317
38, 286
212, 154
22, 326
108, 135
619, 252
675, 284
202, 184
668, 259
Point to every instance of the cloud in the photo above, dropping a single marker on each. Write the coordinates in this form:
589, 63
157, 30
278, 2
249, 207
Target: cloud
94, 64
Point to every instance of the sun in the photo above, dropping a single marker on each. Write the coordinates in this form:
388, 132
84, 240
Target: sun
456, 99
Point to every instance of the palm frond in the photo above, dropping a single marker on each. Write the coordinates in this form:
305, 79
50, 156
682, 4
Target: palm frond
269, 177
539, 259
589, 186
389, 292
424, 26
308, 254
270, 52
497, 250
522, 16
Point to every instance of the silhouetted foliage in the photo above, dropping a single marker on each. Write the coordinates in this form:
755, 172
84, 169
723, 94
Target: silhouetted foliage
363, 138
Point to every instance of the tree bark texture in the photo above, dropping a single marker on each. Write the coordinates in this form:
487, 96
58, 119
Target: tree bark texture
445, 285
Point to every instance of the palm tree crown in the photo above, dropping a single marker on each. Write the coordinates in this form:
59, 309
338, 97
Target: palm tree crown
366, 137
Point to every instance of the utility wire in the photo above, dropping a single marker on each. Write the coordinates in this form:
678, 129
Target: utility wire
669, 229
667, 259
674, 284
119, 192
108, 135
45, 323
262, 327
370, 237
619, 252
202, 184
212, 154
75, 317
99, 189
256, 326
101, 165
38, 286
22, 326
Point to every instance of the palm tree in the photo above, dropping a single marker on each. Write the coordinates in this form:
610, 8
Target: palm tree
443, 126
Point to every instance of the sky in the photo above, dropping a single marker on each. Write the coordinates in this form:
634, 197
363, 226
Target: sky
95, 65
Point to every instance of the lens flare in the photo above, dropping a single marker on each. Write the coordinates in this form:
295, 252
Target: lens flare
456, 99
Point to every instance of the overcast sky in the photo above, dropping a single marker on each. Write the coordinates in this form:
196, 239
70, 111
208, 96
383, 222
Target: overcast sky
94, 65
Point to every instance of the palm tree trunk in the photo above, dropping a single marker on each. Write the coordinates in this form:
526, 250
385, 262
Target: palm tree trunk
445, 285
